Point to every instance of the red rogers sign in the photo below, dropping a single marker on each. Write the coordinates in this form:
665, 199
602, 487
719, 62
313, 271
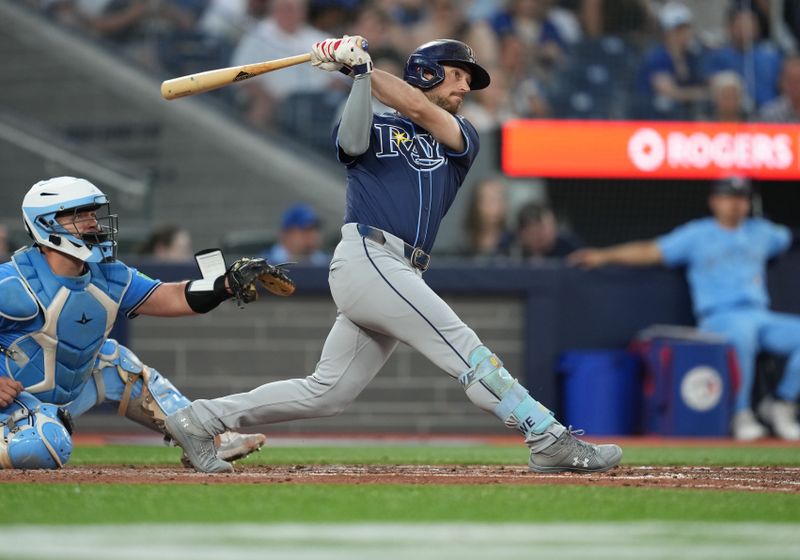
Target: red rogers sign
628, 149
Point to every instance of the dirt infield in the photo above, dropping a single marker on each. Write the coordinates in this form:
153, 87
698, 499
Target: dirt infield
754, 479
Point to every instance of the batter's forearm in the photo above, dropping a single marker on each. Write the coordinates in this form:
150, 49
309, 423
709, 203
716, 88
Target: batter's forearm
411, 102
354, 129
397, 94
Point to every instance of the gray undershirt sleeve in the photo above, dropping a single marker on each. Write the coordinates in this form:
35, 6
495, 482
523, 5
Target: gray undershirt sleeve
354, 130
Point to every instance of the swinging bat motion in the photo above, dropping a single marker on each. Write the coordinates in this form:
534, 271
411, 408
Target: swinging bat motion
213, 79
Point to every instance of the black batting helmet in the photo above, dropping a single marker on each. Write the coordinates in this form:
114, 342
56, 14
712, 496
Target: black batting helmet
430, 57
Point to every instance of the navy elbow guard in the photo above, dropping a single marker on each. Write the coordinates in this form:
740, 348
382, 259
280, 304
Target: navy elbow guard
203, 301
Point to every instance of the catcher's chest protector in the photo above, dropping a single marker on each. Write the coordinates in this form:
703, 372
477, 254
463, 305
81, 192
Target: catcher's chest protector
54, 360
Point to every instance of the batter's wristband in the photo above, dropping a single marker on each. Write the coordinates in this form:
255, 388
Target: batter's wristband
361, 69
206, 300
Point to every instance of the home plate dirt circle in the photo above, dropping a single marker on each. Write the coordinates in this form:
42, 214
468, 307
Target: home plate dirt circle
753, 479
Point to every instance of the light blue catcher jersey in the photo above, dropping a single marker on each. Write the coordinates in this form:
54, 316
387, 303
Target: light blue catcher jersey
725, 268
406, 181
51, 327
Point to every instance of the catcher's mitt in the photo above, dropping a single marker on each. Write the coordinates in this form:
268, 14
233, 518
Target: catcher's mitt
245, 272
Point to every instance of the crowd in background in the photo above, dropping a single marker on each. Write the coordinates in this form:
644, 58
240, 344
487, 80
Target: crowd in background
724, 60
728, 60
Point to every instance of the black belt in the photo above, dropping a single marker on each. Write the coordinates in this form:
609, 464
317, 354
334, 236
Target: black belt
417, 257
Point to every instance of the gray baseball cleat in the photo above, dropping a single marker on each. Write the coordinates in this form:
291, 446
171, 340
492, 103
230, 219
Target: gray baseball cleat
232, 446
568, 453
198, 445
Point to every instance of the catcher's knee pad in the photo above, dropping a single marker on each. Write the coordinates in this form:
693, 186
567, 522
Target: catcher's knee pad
145, 396
35, 436
489, 385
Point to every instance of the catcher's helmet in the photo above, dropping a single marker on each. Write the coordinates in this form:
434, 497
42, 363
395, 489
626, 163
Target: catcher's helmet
49, 199
428, 58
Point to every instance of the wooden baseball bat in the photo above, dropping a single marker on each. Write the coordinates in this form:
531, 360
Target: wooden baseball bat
213, 79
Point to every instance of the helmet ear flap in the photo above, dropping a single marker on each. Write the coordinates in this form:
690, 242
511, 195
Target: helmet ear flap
417, 67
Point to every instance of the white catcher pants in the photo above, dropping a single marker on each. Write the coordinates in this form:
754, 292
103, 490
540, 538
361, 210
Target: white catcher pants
381, 300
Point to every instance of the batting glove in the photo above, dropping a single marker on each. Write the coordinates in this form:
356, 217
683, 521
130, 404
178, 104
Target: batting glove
322, 55
352, 52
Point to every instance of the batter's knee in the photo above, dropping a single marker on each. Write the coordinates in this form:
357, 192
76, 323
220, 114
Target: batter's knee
328, 400
36, 437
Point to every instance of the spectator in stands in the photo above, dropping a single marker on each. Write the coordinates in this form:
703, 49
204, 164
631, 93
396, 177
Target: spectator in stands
5, 252
528, 20
131, 25
627, 19
168, 243
526, 92
725, 257
448, 18
757, 61
539, 236
670, 82
786, 107
486, 223
230, 20
729, 102
283, 33
405, 12
300, 238
332, 16
387, 39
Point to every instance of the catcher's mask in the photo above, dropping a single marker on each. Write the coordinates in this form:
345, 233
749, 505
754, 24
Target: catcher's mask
51, 199
429, 58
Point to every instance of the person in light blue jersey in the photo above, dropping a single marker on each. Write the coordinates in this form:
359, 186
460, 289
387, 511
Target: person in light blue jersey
725, 256
59, 299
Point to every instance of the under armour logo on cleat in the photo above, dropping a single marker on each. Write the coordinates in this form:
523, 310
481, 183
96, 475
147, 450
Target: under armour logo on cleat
578, 461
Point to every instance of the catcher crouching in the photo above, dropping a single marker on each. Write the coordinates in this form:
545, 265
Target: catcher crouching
59, 299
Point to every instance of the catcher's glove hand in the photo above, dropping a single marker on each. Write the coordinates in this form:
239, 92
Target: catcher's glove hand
245, 272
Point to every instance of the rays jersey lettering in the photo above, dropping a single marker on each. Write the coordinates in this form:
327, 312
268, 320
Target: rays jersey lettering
421, 151
406, 180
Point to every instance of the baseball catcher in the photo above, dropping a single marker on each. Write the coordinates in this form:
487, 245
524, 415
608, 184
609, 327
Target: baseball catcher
59, 300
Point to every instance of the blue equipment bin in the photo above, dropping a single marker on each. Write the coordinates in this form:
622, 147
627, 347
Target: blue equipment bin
689, 387
601, 391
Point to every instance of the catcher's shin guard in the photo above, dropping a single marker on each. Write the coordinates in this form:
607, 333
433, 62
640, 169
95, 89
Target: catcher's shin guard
148, 403
34, 435
489, 385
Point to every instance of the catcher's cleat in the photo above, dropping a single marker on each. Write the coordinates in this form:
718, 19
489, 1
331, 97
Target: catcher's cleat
568, 453
197, 444
232, 446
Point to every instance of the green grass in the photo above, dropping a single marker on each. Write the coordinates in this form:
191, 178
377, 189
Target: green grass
100, 504
69, 503
457, 455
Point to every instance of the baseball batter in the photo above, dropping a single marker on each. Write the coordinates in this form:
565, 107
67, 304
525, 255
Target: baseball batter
403, 171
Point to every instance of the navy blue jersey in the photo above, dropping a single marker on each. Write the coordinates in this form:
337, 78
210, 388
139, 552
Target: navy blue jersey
406, 181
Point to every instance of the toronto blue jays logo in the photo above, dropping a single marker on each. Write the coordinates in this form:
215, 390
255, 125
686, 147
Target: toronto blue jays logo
421, 151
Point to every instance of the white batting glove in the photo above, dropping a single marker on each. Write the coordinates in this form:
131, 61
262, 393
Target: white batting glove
352, 52
322, 55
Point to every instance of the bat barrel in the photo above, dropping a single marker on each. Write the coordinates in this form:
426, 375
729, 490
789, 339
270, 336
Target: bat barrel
213, 79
